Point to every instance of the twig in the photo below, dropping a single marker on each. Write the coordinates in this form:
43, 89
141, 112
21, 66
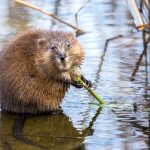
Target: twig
103, 55
76, 15
137, 65
90, 90
80, 31
140, 57
110, 39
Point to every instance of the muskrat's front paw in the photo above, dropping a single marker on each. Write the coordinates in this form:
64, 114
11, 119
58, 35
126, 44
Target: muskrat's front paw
88, 82
76, 84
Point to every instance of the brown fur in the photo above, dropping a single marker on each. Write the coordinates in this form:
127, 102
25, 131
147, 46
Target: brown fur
30, 81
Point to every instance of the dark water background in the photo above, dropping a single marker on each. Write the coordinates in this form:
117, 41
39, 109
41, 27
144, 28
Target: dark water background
83, 124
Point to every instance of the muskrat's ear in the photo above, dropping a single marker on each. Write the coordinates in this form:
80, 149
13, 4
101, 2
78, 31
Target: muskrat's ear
71, 37
42, 42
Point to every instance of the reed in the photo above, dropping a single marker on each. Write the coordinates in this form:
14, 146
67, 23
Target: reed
101, 101
27, 4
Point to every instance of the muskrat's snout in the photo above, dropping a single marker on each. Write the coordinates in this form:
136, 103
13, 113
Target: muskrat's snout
62, 61
62, 57
59, 51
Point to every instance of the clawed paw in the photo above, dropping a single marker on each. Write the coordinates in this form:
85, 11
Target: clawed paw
88, 82
77, 84
80, 85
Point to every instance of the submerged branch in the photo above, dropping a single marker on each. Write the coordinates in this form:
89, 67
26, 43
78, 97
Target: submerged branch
78, 30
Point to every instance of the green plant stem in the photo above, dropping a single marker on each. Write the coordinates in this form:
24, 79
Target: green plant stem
101, 101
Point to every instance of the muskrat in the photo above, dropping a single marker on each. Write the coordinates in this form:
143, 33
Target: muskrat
36, 69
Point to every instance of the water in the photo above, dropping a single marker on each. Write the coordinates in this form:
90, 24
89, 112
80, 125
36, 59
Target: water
84, 125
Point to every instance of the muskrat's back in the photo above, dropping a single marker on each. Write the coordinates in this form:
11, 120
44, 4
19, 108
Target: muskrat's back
37, 68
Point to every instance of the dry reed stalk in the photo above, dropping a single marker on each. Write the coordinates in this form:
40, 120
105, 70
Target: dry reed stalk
78, 30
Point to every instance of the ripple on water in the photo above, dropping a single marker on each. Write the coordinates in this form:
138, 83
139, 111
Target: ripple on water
109, 69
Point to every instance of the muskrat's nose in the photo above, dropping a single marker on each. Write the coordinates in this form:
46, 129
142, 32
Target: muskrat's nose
62, 57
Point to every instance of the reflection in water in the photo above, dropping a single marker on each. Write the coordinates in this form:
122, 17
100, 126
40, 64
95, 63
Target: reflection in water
147, 57
149, 133
17, 132
145, 52
90, 129
18, 17
56, 7
121, 128
102, 57
43, 131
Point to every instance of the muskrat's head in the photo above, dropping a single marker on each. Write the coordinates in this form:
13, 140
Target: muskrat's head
61, 49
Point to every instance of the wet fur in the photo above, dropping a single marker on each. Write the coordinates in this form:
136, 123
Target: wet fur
30, 81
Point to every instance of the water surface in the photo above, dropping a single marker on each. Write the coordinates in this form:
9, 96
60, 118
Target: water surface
84, 125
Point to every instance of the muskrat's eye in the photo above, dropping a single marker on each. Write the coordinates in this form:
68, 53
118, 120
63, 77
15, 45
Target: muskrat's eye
53, 47
68, 45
